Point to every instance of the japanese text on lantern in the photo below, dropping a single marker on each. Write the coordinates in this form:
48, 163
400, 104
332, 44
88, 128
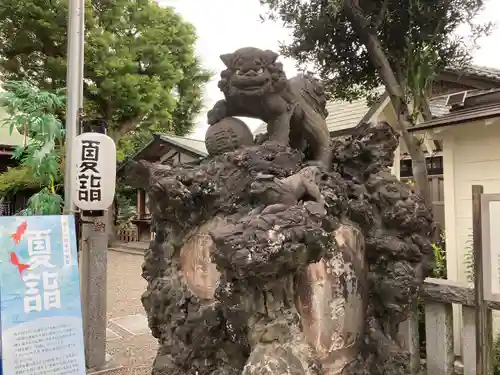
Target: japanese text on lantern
89, 177
41, 280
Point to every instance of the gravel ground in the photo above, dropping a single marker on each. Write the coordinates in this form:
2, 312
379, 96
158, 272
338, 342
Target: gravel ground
125, 286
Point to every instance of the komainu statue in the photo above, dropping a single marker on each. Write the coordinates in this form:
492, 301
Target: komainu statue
255, 85
267, 264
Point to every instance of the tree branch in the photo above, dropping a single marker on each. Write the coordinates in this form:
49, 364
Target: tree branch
378, 57
425, 109
381, 15
445, 4
125, 127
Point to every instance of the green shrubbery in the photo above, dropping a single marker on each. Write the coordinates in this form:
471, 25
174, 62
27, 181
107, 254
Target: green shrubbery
439, 272
496, 356
35, 113
16, 179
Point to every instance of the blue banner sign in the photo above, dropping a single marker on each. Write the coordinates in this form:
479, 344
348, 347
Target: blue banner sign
41, 316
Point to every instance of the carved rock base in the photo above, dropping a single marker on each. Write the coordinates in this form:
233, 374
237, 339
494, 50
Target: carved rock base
263, 264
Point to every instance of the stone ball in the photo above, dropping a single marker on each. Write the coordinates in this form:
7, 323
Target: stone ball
227, 135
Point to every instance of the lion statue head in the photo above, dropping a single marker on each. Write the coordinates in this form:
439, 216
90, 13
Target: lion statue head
251, 71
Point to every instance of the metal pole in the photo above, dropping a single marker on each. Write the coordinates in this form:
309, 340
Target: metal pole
93, 254
93, 260
74, 93
81, 50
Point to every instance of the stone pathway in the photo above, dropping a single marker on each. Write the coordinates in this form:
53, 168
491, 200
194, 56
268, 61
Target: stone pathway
129, 341
135, 325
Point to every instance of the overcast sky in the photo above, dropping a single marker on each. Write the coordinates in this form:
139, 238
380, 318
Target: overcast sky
226, 25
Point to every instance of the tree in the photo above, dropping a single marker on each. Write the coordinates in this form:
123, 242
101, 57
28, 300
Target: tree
141, 71
140, 65
359, 45
34, 112
131, 143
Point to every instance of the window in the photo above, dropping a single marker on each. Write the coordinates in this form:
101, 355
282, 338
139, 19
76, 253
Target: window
434, 166
405, 168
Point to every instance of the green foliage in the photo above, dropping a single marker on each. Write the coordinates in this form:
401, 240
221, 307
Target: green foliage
417, 36
18, 178
34, 111
140, 65
469, 259
127, 208
439, 272
131, 143
45, 202
26, 104
496, 356
439, 269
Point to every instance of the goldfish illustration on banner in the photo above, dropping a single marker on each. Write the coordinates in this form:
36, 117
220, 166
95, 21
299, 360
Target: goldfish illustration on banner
20, 266
18, 234
17, 237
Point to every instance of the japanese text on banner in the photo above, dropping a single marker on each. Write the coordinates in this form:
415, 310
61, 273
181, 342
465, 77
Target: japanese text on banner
41, 280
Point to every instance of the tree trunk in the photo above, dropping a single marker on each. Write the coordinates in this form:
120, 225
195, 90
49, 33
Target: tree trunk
425, 110
377, 55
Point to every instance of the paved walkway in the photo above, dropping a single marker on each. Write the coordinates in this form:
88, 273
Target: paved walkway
129, 340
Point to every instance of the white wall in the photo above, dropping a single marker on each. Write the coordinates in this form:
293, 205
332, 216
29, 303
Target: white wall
471, 156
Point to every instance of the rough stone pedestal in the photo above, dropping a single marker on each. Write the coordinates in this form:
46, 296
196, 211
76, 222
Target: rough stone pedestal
265, 263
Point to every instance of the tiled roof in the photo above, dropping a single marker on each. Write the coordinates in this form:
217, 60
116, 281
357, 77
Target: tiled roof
345, 115
472, 93
460, 117
194, 145
438, 105
478, 71
150, 151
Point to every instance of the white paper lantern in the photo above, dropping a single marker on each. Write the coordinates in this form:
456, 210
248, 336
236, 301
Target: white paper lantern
94, 171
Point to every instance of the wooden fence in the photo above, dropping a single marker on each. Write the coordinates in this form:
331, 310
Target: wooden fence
438, 297
129, 233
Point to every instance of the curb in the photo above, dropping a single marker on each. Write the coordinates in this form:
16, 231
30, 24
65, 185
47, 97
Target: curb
127, 251
107, 368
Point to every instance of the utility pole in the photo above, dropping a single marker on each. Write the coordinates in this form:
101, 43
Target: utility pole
93, 254
74, 92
